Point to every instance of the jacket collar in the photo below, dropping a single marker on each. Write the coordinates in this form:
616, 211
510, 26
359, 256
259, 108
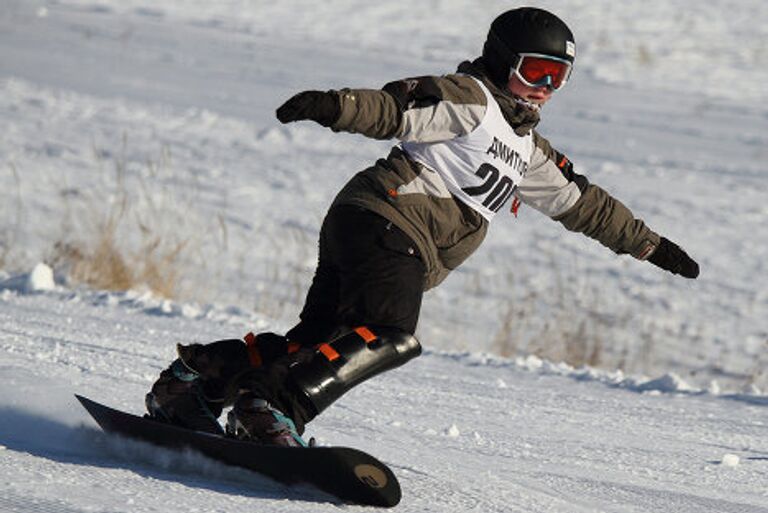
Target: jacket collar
521, 115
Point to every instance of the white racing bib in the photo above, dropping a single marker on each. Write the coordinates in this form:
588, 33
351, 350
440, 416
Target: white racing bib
482, 168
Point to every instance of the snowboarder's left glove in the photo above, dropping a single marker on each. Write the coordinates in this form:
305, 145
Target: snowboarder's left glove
670, 257
321, 107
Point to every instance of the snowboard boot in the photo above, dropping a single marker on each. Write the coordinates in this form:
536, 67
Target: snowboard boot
177, 398
196, 387
253, 418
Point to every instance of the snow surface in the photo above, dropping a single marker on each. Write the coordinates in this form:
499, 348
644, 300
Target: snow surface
168, 107
463, 432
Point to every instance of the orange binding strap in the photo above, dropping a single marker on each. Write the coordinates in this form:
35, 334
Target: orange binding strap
365, 334
254, 356
329, 352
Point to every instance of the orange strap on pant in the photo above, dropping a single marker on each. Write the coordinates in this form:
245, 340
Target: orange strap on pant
329, 352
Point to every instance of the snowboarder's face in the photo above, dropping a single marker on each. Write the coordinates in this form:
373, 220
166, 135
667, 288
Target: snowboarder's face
538, 95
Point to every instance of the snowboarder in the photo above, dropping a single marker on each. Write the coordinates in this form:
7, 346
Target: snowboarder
467, 148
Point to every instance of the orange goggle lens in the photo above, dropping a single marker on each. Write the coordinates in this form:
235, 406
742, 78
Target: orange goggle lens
537, 71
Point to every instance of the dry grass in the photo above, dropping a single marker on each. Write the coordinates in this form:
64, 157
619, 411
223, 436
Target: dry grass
563, 338
14, 213
758, 375
117, 237
286, 280
644, 56
556, 328
105, 264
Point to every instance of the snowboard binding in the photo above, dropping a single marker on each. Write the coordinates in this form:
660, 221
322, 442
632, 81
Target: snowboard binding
255, 419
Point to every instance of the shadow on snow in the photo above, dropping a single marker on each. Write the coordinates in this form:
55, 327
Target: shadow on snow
47, 438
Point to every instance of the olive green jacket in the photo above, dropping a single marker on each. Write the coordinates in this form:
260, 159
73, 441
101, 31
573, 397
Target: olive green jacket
445, 230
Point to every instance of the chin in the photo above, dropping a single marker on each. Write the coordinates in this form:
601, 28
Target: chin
528, 103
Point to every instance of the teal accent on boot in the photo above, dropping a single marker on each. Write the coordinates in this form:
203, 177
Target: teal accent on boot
288, 422
182, 372
253, 418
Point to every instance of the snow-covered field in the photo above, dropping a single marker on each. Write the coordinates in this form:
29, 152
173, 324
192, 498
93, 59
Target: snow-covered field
159, 115
463, 432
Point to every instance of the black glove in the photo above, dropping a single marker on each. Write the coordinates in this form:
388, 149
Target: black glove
670, 257
319, 106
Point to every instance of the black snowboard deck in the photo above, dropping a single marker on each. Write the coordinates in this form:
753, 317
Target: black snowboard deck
349, 474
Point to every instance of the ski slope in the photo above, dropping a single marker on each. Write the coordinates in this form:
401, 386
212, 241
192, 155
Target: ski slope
462, 432
162, 112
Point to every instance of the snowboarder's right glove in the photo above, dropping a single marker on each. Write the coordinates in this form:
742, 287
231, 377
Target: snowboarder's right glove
670, 257
321, 107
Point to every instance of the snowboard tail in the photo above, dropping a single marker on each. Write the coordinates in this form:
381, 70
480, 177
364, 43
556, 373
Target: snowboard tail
349, 474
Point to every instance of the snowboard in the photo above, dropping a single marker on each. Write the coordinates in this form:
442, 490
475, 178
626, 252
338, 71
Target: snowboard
348, 474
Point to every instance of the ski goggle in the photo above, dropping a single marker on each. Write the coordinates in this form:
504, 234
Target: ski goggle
537, 70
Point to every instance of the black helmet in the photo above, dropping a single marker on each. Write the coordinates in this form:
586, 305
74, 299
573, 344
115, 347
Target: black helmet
525, 30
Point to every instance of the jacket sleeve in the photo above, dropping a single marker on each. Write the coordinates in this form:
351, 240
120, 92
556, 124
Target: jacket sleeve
550, 184
421, 109
554, 188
